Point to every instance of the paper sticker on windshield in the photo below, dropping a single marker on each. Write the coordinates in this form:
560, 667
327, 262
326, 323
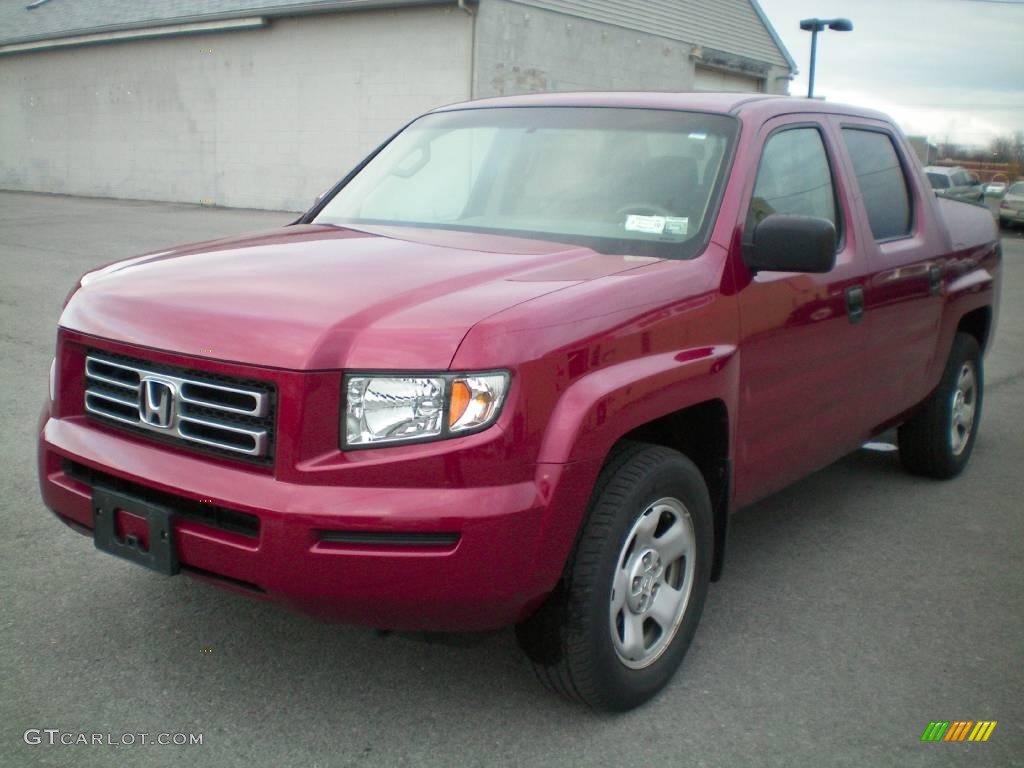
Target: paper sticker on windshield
649, 225
676, 225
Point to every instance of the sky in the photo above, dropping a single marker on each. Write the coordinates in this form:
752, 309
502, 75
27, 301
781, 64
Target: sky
946, 69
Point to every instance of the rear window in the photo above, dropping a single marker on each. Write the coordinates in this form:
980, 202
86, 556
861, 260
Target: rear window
1016, 189
938, 180
882, 183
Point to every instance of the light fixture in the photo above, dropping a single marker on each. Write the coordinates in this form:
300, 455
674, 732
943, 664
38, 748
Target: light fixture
814, 26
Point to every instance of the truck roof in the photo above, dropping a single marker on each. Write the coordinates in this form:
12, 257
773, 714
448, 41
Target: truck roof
723, 103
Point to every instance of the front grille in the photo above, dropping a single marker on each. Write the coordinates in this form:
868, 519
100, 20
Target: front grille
214, 414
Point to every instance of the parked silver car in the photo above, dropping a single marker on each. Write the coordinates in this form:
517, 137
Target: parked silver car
1011, 209
955, 182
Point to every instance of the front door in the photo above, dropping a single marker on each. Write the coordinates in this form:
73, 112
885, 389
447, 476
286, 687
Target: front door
802, 345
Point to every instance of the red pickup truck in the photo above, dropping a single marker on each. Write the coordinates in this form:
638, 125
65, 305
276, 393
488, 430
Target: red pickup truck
520, 365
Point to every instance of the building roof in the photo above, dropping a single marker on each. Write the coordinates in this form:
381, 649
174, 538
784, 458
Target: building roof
35, 21
732, 26
729, 26
770, 28
24, 21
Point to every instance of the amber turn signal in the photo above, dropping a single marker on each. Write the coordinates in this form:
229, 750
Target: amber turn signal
460, 401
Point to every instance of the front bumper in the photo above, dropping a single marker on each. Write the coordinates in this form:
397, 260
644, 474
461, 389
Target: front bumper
503, 551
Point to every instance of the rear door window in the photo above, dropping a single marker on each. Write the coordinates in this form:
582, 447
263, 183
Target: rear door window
882, 182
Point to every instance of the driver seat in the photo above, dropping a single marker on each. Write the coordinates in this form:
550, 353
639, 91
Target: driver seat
670, 181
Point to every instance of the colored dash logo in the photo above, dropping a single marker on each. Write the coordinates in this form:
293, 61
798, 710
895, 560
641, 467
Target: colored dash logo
959, 730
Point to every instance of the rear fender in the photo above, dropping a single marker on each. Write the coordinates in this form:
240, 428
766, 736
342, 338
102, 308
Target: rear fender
973, 282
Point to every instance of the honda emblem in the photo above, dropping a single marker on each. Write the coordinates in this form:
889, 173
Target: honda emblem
157, 407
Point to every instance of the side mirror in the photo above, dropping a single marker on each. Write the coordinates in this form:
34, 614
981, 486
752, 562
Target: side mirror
785, 243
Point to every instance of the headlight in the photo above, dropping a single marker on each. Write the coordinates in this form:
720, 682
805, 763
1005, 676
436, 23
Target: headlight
402, 408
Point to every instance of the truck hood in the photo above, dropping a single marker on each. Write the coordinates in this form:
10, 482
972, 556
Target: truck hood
314, 297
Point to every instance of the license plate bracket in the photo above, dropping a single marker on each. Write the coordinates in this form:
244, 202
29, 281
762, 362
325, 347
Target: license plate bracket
161, 555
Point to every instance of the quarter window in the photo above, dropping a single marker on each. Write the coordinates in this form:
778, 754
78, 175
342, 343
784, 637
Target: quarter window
882, 183
793, 178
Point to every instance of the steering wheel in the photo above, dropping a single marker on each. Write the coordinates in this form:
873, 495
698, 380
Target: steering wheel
648, 208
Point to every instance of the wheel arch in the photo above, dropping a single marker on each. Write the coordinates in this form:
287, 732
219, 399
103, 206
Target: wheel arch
643, 399
977, 323
701, 433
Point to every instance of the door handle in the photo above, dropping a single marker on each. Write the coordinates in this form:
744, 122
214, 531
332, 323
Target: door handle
934, 279
855, 303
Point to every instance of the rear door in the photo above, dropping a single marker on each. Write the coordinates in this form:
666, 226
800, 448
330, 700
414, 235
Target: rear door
802, 344
903, 305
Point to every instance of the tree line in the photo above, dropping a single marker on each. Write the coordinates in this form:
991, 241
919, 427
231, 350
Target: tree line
1002, 149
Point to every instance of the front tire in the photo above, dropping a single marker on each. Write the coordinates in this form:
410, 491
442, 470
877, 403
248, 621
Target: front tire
617, 627
937, 442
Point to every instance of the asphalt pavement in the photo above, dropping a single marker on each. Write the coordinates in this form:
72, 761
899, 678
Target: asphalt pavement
856, 606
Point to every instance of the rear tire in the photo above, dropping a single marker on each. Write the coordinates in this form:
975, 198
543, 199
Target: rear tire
937, 442
616, 628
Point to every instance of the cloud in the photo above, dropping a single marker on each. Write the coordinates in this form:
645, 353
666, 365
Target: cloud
942, 68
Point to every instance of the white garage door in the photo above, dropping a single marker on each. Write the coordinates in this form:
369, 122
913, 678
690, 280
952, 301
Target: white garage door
716, 80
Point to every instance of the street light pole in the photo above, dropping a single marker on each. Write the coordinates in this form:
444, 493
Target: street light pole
814, 26
814, 57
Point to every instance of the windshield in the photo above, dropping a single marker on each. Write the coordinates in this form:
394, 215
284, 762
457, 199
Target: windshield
938, 181
624, 181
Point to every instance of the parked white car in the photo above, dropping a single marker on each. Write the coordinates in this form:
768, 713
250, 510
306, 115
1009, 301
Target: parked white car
1011, 209
955, 182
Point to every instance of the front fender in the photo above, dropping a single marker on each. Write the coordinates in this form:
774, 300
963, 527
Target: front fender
598, 409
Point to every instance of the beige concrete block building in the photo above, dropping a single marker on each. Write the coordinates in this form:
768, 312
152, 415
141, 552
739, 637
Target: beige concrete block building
265, 103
